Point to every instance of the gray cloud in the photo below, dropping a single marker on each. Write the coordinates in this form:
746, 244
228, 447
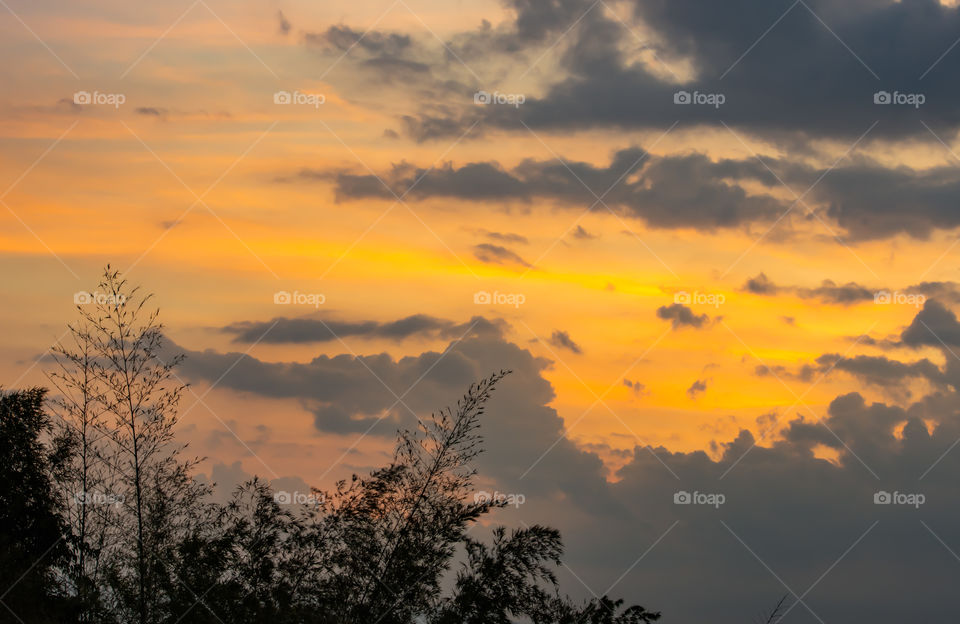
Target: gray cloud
681, 316
562, 339
506, 237
697, 388
934, 326
806, 519
671, 191
497, 254
768, 88
581, 234
851, 292
760, 285
316, 329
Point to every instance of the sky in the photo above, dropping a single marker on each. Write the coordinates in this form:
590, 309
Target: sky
716, 243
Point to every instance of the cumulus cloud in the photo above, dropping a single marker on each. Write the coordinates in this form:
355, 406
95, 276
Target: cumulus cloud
808, 519
680, 316
697, 388
745, 50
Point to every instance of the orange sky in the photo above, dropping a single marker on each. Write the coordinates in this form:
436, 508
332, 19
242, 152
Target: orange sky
83, 186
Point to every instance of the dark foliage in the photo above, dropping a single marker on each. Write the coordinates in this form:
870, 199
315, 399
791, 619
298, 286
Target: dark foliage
32, 532
101, 513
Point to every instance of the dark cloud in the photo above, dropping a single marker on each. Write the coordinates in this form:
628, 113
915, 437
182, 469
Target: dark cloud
827, 292
506, 237
673, 191
745, 50
150, 111
941, 291
697, 388
637, 387
809, 520
496, 254
377, 43
315, 329
562, 340
934, 326
681, 316
283, 24
842, 294
890, 375
760, 285
581, 234
865, 199
803, 373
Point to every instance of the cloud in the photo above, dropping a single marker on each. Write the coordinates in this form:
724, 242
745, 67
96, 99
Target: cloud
934, 326
669, 192
505, 237
850, 293
637, 387
315, 329
681, 316
745, 51
831, 292
807, 518
866, 200
562, 340
581, 234
150, 111
283, 24
388, 55
760, 285
496, 254
697, 388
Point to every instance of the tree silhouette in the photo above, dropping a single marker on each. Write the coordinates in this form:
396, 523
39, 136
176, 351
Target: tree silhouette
109, 518
32, 531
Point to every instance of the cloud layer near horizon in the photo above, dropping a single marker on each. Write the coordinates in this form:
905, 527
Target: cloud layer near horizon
788, 511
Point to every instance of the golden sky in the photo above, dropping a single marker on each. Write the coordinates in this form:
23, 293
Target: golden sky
194, 186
